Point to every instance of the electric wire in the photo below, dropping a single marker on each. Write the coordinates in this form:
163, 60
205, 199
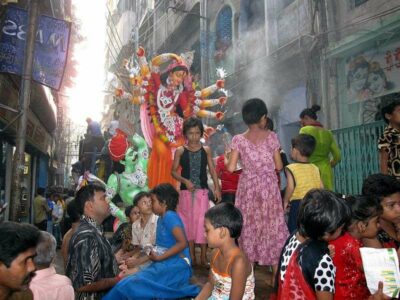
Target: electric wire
114, 26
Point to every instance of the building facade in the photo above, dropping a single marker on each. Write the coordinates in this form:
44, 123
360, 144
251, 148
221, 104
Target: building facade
360, 76
121, 30
42, 124
341, 55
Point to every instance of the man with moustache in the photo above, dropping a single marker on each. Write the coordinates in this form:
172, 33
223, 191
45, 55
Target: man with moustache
17, 250
91, 264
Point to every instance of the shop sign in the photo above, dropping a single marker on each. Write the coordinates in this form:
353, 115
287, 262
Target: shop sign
36, 134
50, 52
373, 73
40, 139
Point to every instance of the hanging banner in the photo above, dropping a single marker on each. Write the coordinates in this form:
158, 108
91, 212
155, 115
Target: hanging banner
373, 73
50, 52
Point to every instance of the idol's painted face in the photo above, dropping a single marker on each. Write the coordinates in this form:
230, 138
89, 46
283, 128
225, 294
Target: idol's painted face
177, 77
131, 155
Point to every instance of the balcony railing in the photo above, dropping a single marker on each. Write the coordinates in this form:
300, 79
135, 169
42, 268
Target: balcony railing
359, 147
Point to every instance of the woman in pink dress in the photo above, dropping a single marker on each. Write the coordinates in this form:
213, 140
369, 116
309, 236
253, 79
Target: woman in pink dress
258, 196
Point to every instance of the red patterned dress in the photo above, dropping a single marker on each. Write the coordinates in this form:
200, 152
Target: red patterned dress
350, 280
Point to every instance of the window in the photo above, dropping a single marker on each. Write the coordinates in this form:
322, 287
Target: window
221, 43
252, 15
224, 24
223, 32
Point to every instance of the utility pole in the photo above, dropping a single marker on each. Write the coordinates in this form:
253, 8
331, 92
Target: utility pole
68, 156
24, 100
204, 37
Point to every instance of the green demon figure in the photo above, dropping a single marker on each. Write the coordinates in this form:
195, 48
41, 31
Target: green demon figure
134, 179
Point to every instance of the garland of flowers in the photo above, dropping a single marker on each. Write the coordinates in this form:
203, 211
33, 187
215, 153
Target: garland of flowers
160, 129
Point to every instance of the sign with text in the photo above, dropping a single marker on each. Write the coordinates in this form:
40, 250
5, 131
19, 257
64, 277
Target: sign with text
50, 52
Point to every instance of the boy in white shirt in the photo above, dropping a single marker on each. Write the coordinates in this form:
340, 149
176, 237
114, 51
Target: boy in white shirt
143, 234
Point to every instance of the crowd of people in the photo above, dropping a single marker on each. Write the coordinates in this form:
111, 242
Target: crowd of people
50, 212
310, 236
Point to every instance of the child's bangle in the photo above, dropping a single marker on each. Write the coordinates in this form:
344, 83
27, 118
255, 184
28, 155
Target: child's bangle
118, 277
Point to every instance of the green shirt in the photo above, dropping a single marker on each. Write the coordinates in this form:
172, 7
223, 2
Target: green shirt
326, 153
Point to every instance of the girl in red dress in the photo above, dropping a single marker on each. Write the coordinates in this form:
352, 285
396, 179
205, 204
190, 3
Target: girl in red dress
306, 270
350, 280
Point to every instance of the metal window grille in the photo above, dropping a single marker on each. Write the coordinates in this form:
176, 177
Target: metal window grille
224, 25
360, 157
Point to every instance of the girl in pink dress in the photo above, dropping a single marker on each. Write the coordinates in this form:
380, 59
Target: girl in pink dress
258, 196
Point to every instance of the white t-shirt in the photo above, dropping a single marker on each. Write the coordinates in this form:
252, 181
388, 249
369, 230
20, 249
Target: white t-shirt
57, 213
147, 235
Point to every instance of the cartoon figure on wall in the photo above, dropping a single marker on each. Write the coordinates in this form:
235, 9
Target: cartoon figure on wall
367, 79
167, 98
357, 76
377, 82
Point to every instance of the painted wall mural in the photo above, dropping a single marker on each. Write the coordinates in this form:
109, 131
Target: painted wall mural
373, 73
